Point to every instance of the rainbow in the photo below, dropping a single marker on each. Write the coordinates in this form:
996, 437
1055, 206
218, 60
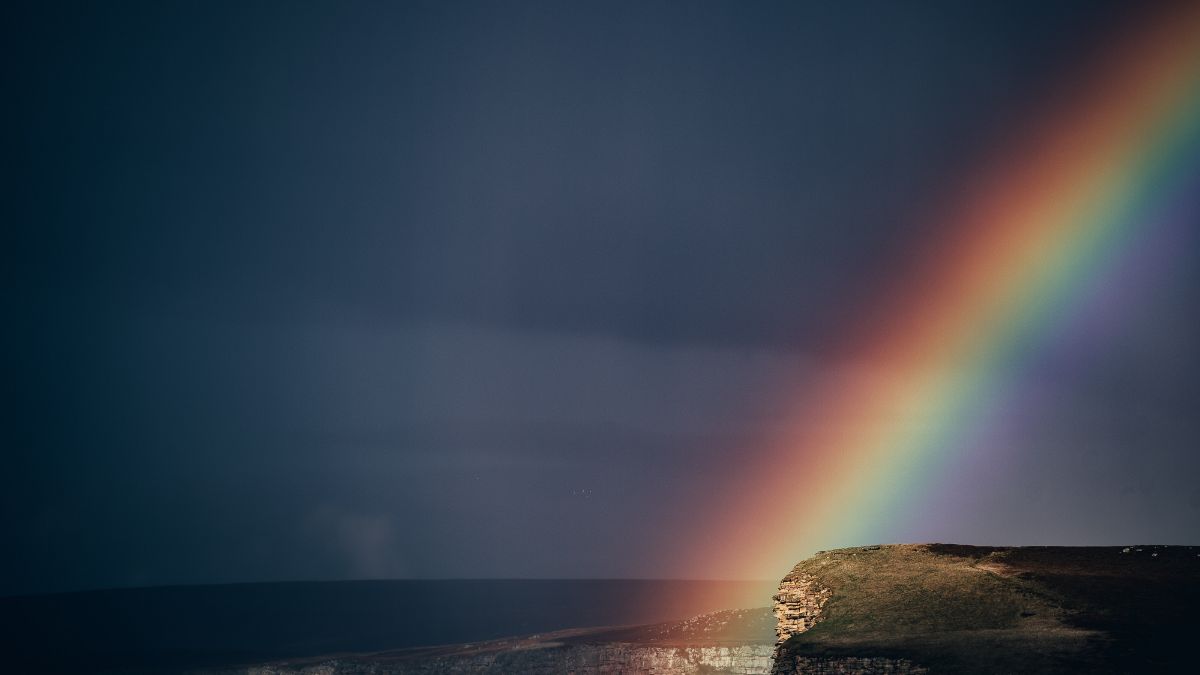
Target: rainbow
1012, 263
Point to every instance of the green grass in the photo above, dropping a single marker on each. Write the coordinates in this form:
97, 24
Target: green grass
982, 609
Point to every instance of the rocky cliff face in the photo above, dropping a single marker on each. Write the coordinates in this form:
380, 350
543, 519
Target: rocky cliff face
798, 604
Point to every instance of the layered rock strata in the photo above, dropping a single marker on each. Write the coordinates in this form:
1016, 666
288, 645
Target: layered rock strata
798, 604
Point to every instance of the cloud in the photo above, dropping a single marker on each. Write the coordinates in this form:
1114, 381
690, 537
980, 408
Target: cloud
361, 378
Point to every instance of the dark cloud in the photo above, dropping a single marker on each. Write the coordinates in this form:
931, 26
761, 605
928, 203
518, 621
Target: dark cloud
440, 289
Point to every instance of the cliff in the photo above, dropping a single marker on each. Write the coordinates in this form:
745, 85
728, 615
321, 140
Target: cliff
929, 608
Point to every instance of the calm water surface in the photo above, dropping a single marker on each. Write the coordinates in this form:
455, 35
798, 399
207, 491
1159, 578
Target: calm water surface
174, 628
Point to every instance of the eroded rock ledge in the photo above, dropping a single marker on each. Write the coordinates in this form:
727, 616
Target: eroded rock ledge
798, 607
798, 604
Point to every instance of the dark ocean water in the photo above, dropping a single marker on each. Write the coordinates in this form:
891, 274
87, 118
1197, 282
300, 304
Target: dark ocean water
174, 628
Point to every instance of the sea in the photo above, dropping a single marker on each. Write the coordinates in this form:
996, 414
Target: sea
179, 628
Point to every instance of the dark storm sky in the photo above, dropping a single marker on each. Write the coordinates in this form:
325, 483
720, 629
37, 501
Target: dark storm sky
344, 290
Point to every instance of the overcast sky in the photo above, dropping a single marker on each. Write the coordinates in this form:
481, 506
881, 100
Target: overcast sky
359, 290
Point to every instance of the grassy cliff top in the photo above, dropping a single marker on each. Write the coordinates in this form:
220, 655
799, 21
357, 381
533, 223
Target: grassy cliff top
1002, 609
